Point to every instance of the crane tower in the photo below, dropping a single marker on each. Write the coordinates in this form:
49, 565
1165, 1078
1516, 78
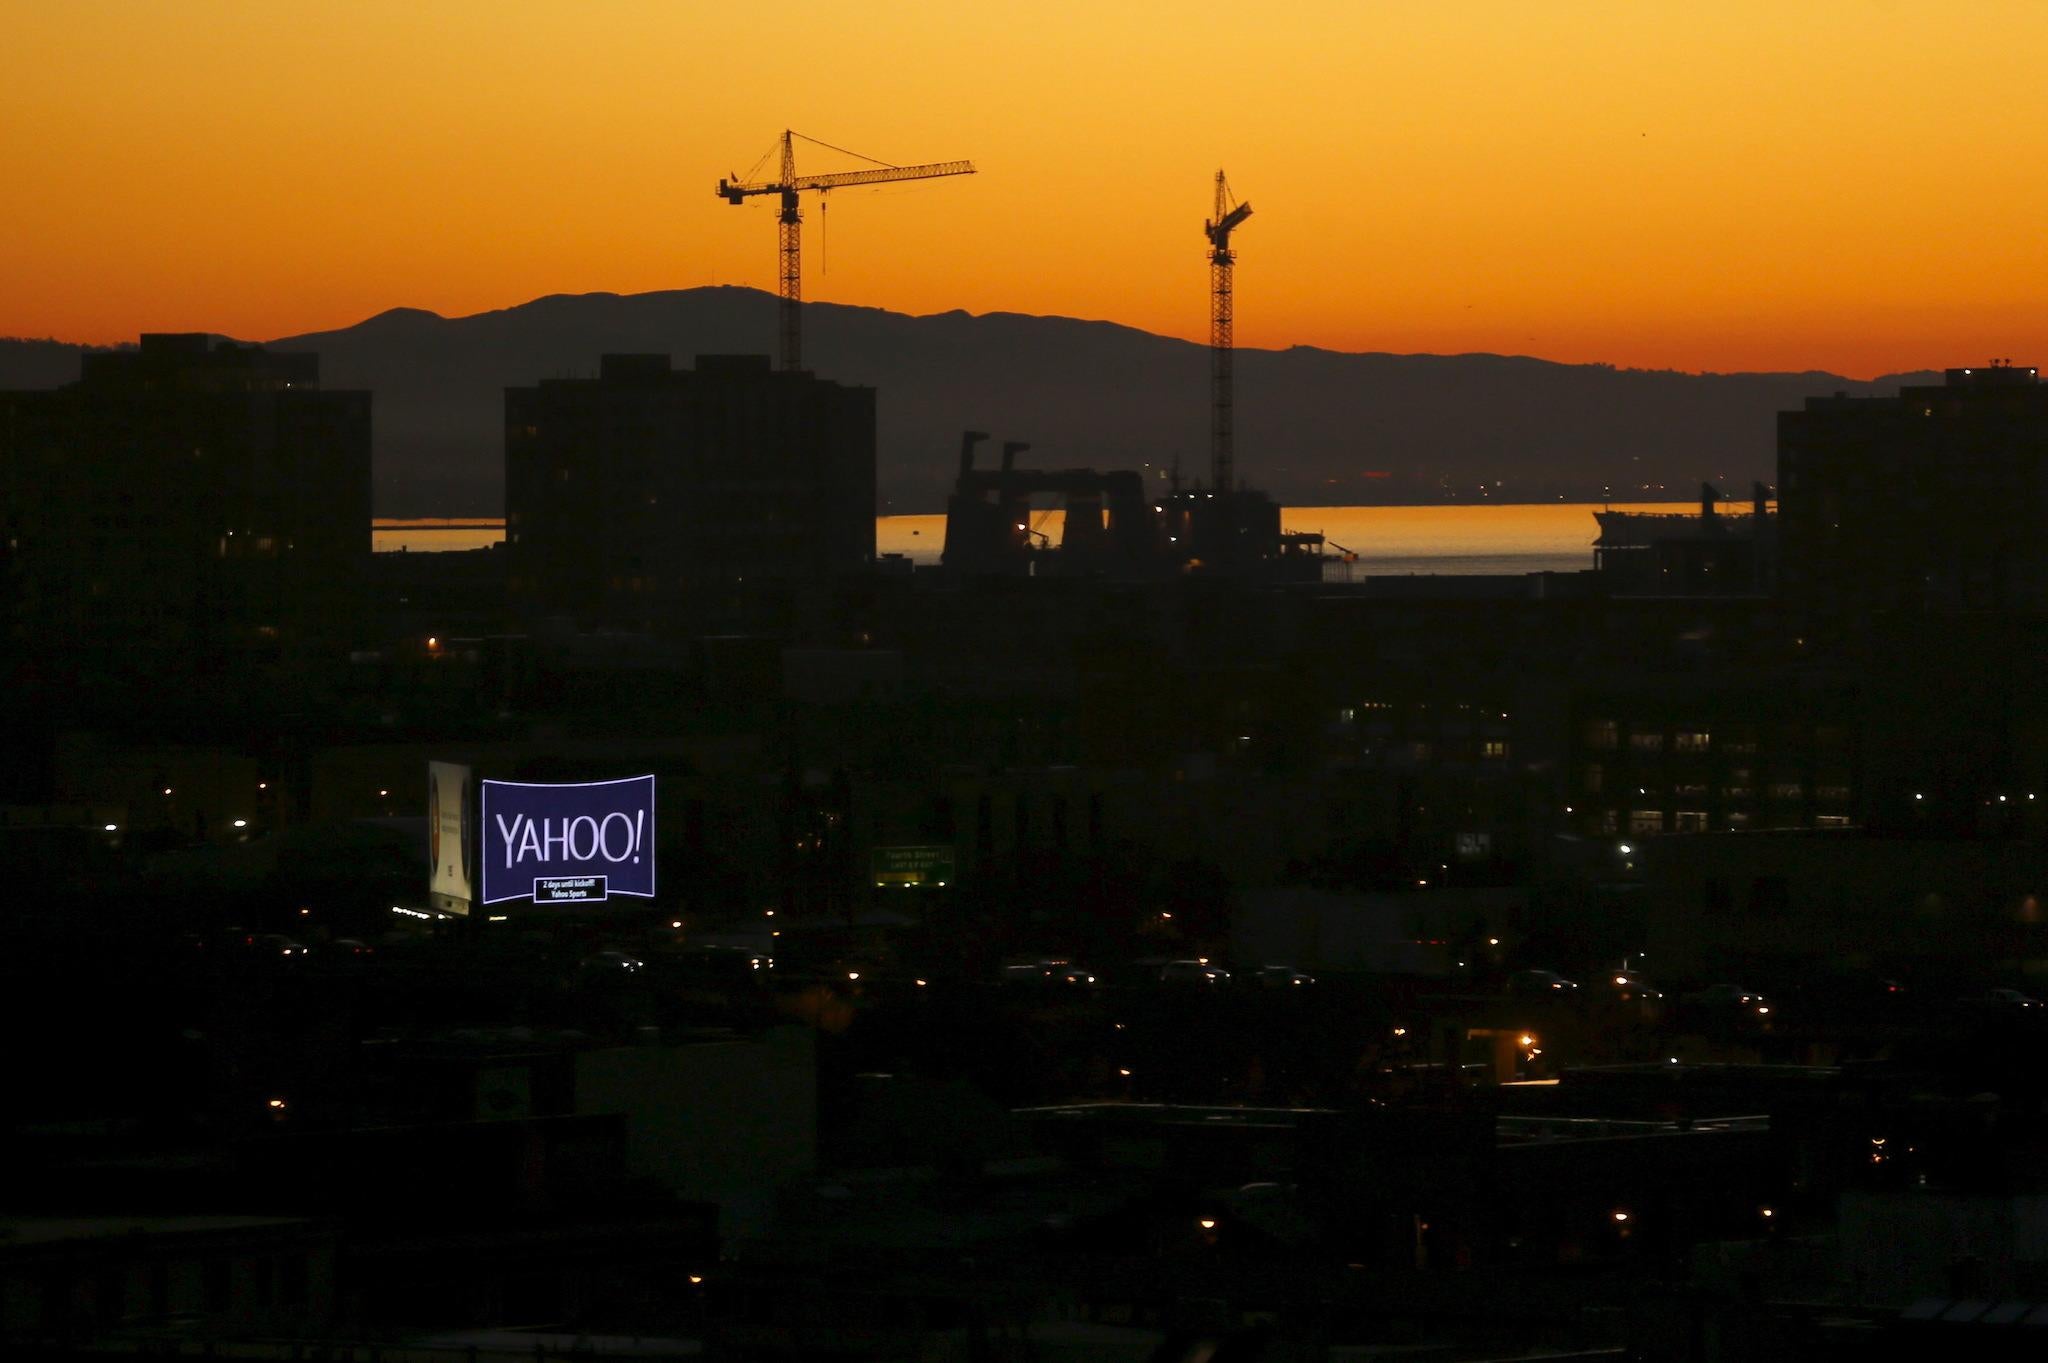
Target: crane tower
788, 184
1222, 379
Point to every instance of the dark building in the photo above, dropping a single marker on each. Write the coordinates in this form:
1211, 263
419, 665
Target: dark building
1770, 905
188, 499
1741, 745
649, 491
1911, 551
1931, 501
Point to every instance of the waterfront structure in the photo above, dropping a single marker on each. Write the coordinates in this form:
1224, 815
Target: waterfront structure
651, 489
1112, 529
1710, 554
189, 499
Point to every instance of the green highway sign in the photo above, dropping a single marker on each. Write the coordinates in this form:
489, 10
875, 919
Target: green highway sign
911, 866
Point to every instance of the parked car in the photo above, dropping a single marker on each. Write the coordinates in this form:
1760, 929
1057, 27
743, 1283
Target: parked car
722, 963
1630, 984
1539, 982
2004, 999
1047, 972
1732, 998
1193, 972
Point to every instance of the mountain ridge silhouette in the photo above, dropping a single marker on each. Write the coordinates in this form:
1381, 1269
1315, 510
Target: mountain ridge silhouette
1315, 426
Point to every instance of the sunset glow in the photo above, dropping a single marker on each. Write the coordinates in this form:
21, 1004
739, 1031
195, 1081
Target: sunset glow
1737, 186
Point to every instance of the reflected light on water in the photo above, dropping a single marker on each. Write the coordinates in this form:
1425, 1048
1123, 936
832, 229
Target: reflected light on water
427, 535
1389, 540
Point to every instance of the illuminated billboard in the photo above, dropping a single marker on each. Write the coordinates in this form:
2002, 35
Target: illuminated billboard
451, 842
576, 843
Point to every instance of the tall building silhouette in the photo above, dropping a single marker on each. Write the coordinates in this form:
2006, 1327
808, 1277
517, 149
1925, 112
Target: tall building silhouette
1911, 545
1931, 501
188, 498
651, 489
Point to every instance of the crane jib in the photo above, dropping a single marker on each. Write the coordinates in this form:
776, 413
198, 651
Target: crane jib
789, 223
737, 190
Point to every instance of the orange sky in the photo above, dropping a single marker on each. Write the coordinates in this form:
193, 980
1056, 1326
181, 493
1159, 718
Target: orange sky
1853, 186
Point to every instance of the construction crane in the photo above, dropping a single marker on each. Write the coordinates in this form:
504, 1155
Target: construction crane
789, 184
1222, 396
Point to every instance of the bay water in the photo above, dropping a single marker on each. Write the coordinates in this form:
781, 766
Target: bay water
1387, 540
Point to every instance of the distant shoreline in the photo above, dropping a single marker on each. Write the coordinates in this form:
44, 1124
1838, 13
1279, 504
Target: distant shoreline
476, 522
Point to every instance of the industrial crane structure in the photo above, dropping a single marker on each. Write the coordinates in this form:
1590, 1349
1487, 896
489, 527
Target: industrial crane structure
1222, 378
1113, 526
789, 185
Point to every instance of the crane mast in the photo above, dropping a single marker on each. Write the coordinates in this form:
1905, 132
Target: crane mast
788, 185
1222, 376
791, 239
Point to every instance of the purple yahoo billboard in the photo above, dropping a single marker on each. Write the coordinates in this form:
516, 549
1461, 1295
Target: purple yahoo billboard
566, 844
